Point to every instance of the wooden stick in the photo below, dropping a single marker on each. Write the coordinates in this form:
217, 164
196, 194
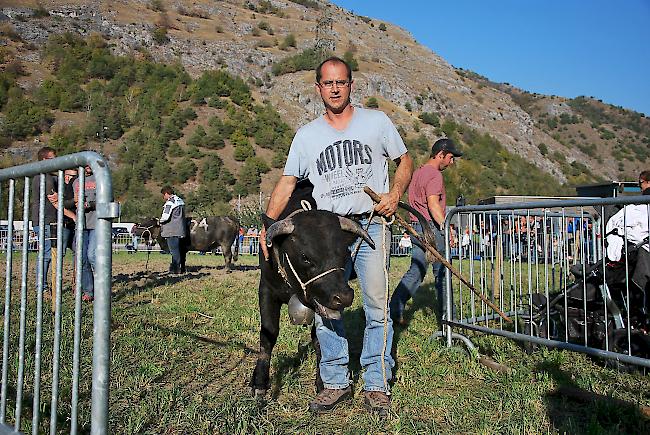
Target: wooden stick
439, 257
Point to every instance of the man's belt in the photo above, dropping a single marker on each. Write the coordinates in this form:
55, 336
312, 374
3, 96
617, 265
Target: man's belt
358, 216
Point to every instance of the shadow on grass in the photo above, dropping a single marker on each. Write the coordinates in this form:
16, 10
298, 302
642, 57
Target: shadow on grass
572, 409
287, 366
426, 301
202, 339
63, 421
151, 280
215, 377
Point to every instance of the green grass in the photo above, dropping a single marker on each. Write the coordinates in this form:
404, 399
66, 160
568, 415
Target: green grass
184, 349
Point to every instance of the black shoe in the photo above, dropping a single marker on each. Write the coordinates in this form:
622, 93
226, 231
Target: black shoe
327, 399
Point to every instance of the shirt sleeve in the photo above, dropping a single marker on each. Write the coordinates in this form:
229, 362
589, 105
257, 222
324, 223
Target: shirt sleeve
296, 164
393, 143
167, 213
434, 185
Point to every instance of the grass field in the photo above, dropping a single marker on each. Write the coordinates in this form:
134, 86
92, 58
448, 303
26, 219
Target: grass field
184, 348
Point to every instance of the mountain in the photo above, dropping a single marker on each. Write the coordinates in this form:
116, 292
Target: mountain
516, 142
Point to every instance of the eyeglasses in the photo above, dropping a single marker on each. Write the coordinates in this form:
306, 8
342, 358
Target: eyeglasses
329, 84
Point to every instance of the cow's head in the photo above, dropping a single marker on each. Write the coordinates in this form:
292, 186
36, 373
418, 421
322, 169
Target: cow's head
149, 230
311, 251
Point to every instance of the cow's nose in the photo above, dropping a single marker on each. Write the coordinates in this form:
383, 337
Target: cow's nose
343, 300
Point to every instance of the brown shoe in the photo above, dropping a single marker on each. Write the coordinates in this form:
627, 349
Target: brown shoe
327, 399
377, 402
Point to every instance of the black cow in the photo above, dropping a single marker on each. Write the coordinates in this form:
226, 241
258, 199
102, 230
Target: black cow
309, 251
205, 234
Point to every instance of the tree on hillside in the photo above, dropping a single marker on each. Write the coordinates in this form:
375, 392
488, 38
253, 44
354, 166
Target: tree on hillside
348, 57
198, 137
162, 172
184, 170
25, 118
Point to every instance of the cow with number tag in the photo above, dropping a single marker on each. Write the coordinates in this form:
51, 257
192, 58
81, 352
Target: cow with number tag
204, 234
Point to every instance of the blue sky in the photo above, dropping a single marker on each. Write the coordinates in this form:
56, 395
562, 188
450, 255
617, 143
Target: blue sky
556, 47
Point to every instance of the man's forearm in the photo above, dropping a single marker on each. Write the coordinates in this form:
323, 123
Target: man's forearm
402, 175
280, 196
436, 211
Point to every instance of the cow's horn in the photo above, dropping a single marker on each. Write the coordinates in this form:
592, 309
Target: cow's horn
285, 226
355, 228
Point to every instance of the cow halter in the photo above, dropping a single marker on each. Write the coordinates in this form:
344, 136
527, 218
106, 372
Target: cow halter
305, 207
304, 285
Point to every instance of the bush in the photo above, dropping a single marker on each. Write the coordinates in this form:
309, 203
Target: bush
430, 119
243, 151
307, 3
67, 140
162, 172
211, 169
552, 122
175, 150
184, 170
288, 41
25, 118
193, 152
8, 31
40, 12
250, 175
7, 82
308, 60
213, 141
157, 5
214, 84
382, 27
348, 57
198, 137
606, 134
420, 143
159, 35
543, 149
372, 103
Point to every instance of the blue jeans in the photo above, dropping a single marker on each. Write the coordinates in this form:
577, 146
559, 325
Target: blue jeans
371, 267
65, 240
88, 249
47, 255
178, 262
413, 277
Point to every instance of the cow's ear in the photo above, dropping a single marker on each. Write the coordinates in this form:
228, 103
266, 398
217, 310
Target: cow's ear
267, 221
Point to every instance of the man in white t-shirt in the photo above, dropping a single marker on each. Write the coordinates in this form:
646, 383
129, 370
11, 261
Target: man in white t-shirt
340, 152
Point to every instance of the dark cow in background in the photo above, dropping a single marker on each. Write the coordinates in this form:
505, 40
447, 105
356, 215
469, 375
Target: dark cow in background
308, 256
205, 234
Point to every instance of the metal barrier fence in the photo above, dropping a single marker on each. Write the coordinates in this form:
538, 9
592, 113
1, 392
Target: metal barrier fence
17, 240
545, 265
248, 245
24, 367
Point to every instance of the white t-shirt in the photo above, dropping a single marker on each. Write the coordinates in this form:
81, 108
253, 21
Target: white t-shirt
341, 163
